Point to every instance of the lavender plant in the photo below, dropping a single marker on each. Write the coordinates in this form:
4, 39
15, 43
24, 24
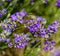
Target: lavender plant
32, 25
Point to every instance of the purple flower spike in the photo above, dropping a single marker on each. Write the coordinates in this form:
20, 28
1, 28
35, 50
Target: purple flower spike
1, 39
45, 48
10, 45
4, 11
58, 3
13, 17
36, 26
53, 27
23, 13
55, 22
21, 40
39, 18
42, 32
17, 13
18, 16
49, 45
0, 15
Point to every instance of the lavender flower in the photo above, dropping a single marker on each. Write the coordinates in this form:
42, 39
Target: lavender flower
42, 32
58, 3
39, 19
4, 11
8, 27
36, 26
1, 39
23, 13
18, 16
14, 17
21, 40
33, 28
49, 45
31, 1
10, 45
53, 27
0, 15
